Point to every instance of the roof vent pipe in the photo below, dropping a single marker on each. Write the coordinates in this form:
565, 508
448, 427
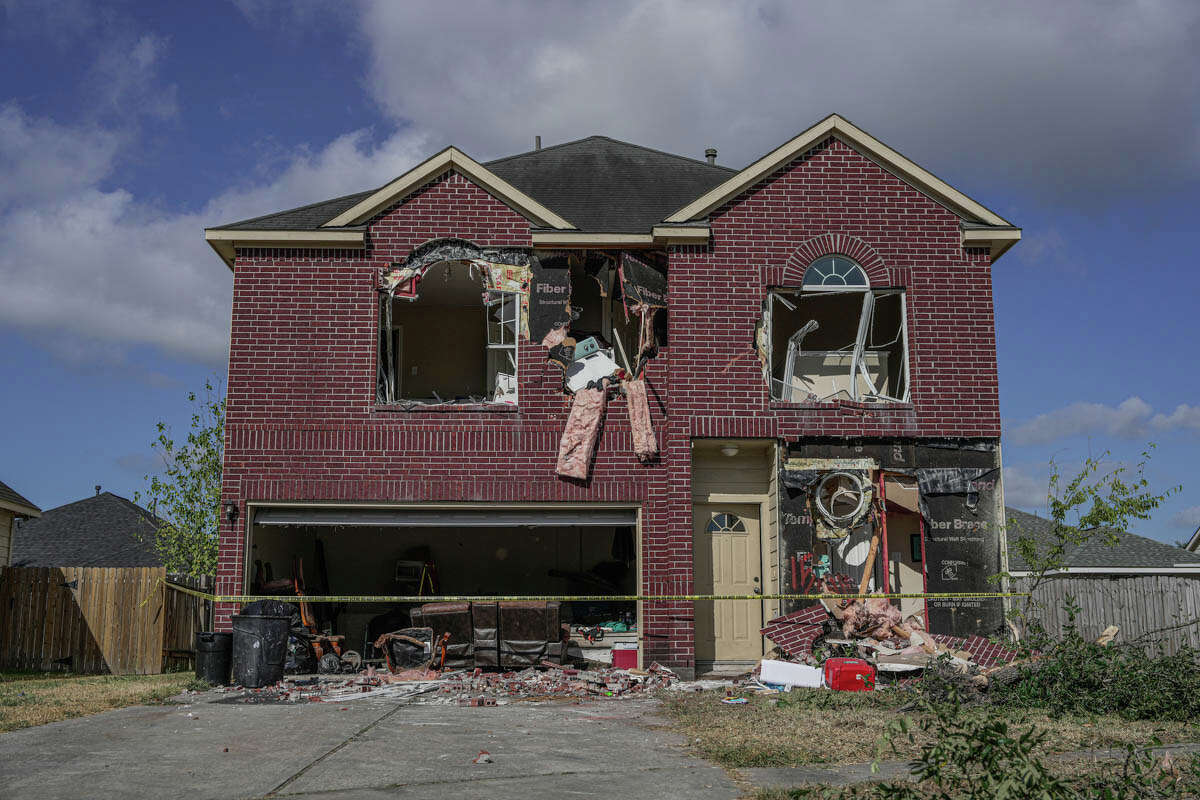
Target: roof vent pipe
537, 143
97, 490
711, 154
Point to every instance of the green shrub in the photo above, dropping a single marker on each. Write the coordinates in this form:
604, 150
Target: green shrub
1078, 676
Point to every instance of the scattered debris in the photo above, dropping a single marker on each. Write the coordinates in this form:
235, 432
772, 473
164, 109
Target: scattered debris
472, 688
484, 757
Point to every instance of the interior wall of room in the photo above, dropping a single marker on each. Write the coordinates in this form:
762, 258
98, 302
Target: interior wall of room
446, 344
469, 560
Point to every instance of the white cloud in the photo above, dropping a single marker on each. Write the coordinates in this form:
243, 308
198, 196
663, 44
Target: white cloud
89, 272
1187, 518
1050, 95
1134, 418
1023, 489
1183, 417
1129, 420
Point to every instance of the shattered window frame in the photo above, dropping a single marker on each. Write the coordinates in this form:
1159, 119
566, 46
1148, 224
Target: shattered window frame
501, 334
864, 341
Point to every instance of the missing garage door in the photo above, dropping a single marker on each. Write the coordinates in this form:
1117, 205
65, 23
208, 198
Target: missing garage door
438, 551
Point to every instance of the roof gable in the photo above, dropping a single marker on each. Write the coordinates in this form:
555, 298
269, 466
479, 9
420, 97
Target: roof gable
99, 531
449, 159
833, 125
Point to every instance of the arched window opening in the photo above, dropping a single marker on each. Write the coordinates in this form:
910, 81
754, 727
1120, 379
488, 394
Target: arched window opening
835, 273
835, 337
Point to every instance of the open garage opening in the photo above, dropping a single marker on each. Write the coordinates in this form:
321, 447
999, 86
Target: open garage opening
357, 553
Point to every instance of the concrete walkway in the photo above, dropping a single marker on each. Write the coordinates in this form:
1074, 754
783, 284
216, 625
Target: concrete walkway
360, 749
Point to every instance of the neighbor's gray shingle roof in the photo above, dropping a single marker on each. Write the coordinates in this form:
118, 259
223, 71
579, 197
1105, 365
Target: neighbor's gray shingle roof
1132, 551
100, 531
599, 184
10, 495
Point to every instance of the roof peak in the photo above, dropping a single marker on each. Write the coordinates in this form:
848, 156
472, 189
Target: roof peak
621, 142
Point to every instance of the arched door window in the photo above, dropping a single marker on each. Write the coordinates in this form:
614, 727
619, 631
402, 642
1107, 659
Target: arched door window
723, 522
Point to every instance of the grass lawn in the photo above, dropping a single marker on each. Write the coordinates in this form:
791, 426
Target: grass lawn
817, 726
28, 699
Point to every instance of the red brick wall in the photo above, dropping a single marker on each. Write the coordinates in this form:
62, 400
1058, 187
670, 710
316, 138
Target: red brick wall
302, 422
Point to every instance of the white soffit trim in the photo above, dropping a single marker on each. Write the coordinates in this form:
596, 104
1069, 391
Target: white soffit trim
998, 241
583, 239
225, 242
858, 139
450, 158
19, 509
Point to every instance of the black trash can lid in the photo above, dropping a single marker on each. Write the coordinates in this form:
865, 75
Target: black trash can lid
267, 608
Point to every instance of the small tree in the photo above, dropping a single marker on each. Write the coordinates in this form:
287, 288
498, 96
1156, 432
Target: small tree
1098, 503
187, 496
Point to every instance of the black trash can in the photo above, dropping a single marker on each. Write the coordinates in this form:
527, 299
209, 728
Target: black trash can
213, 653
259, 650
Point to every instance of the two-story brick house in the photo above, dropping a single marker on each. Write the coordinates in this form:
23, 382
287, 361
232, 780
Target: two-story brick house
472, 367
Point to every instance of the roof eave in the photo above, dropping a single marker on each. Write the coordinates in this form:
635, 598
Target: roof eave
999, 240
20, 509
225, 241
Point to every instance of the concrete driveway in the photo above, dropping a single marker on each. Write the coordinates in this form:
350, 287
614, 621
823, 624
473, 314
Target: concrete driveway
359, 749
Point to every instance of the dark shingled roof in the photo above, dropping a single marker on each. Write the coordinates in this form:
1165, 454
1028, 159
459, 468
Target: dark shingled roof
305, 218
100, 531
1132, 551
602, 185
598, 184
10, 495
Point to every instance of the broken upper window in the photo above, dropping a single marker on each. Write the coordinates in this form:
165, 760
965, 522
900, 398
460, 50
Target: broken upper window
836, 338
449, 332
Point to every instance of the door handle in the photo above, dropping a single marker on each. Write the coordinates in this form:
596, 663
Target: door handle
758, 590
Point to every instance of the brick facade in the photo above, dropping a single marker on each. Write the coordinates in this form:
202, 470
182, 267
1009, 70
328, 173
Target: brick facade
302, 421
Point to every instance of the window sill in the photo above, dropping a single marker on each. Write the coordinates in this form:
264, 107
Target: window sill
448, 408
832, 405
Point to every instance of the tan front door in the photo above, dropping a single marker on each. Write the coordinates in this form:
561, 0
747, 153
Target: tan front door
728, 561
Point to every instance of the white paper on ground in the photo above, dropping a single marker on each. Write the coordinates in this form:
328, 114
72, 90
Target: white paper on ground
789, 674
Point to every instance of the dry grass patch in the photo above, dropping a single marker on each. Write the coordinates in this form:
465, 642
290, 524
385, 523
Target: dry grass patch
816, 726
27, 700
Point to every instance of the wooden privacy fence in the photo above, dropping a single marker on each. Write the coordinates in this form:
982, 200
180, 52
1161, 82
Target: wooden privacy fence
120, 620
1152, 609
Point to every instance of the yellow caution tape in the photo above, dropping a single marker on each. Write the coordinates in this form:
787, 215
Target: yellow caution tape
489, 598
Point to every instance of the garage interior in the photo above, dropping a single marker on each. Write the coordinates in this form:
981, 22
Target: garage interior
430, 552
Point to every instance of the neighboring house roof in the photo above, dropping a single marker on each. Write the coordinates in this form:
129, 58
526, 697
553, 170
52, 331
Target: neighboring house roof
1132, 553
1193, 544
101, 531
601, 192
11, 500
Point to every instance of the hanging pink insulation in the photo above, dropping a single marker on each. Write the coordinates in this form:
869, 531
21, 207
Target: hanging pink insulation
644, 444
580, 433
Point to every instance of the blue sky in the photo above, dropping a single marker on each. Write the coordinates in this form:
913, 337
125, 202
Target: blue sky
126, 128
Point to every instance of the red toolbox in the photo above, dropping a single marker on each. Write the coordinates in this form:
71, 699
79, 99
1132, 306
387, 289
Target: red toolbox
849, 674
